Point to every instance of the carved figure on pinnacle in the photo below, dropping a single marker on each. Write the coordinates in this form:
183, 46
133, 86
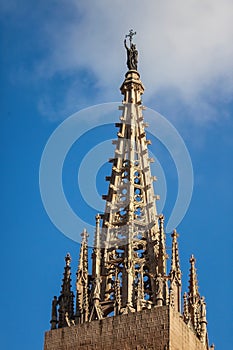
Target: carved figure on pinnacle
132, 53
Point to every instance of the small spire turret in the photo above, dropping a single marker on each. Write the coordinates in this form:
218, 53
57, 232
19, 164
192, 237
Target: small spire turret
193, 295
54, 320
82, 306
66, 298
194, 311
175, 274
175, 263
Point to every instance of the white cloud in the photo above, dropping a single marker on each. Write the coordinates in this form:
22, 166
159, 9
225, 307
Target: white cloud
185, 45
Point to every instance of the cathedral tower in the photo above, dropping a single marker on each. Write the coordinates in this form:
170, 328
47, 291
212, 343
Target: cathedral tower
129, 300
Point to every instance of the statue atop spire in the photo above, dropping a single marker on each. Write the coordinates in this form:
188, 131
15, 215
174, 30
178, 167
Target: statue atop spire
132, 53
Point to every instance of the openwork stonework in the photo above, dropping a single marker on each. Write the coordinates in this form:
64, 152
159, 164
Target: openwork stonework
131, 300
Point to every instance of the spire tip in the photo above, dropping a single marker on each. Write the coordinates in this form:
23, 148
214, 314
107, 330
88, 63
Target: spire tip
68, 259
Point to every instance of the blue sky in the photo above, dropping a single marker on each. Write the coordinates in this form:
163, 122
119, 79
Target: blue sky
58, 58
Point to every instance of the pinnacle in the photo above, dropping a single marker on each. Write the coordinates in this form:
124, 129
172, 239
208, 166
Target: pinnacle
84, 234
192, 259
174, 234
68, 259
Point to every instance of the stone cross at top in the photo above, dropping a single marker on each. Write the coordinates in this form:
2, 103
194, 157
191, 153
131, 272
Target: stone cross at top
130, 35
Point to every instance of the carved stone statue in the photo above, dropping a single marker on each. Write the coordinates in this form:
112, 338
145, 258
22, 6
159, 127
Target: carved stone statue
159, 287
54, 313
54, 308
68, 321
203, 308
96, 289
132, 56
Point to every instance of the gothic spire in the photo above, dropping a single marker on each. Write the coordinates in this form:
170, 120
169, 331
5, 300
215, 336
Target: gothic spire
131, 241
66, 298
82, 305
129, 259
196, 305
175, 275
193, 295
175, 261
193, 283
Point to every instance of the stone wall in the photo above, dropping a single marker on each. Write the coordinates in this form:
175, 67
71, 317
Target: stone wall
181, 337
147, 330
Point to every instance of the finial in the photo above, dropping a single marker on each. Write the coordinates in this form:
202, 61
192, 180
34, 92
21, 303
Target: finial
174, 233
192, 260
68, 259
132, 53
98, 217
161, 218
84, 235
130, 35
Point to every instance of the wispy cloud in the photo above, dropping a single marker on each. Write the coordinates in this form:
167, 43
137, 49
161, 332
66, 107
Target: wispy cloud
184, 46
